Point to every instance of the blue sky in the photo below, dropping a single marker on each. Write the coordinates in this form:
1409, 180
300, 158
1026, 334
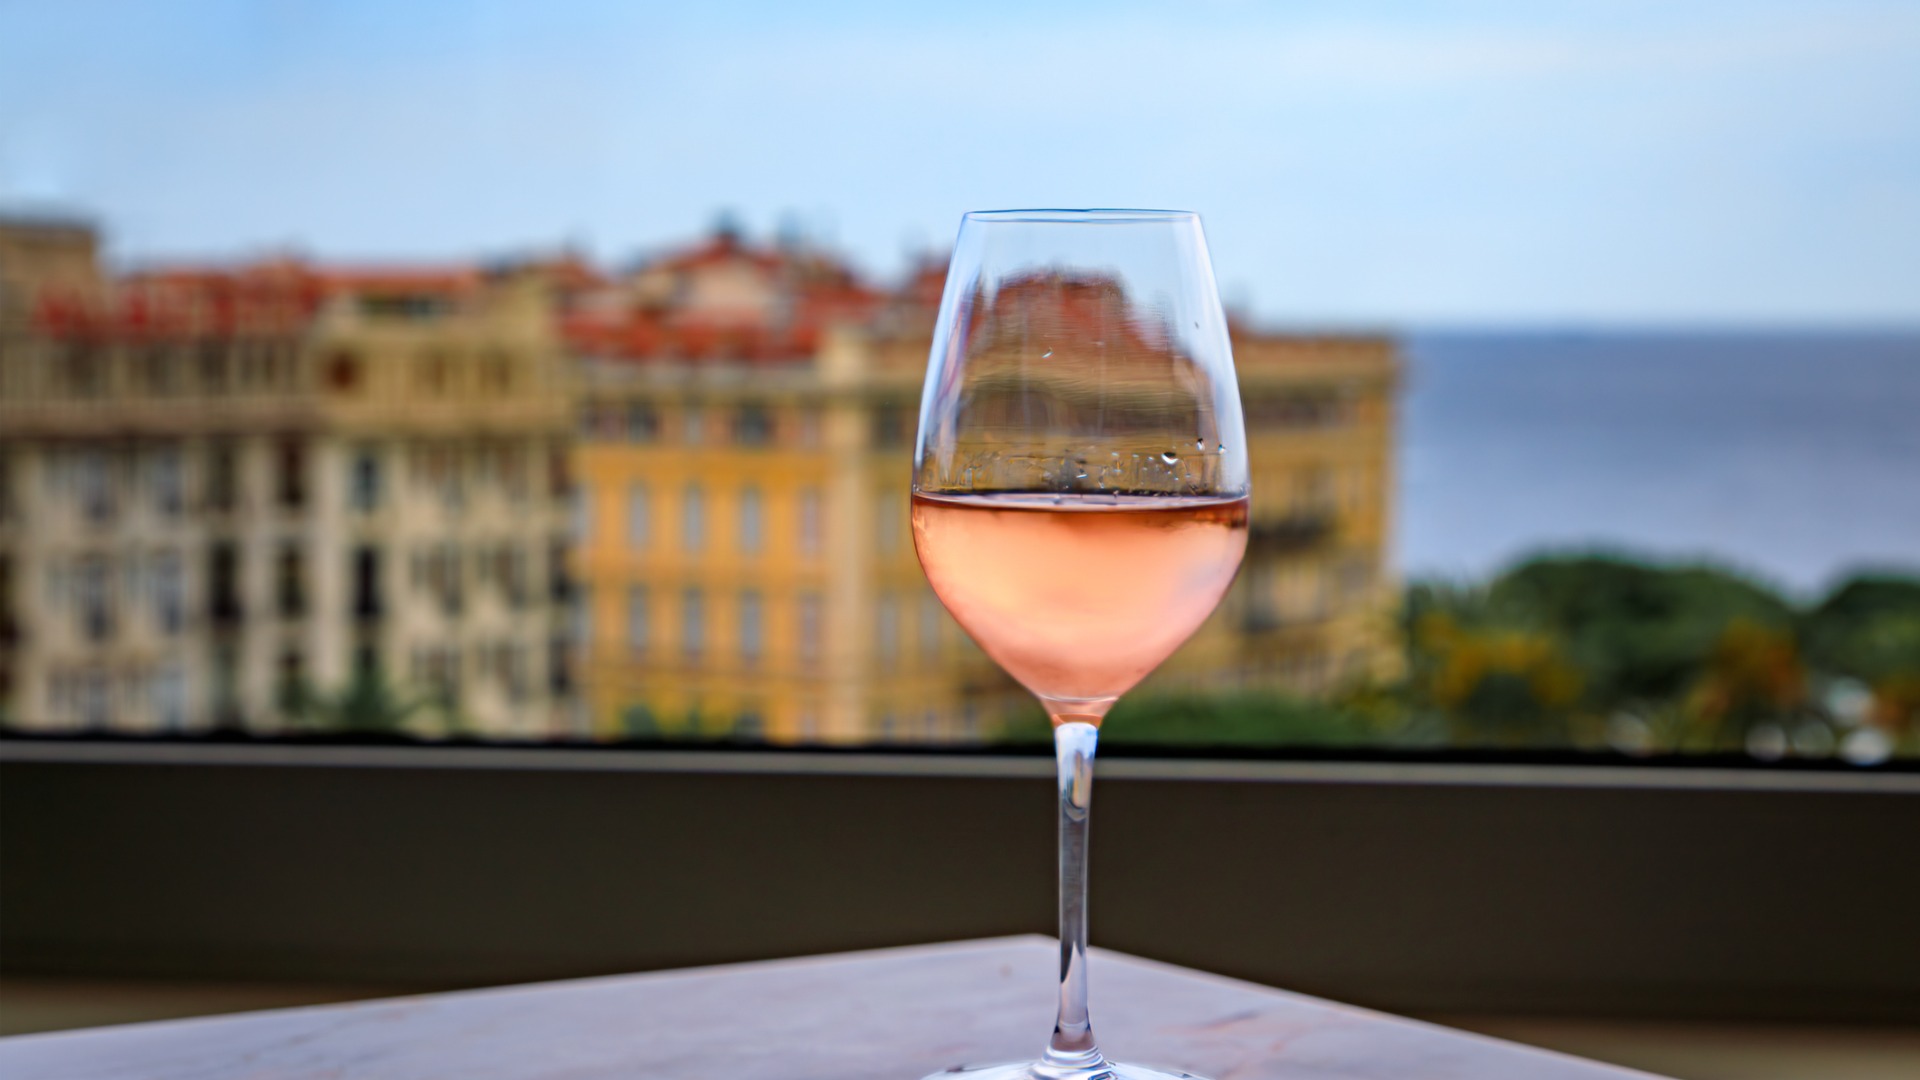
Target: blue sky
1357, 163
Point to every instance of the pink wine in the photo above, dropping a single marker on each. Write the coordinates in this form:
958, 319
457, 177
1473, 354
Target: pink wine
1079, 596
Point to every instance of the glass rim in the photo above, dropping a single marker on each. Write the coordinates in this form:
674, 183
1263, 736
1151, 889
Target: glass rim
1064, 216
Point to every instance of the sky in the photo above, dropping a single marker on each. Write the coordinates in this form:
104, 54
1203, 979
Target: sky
1380, 164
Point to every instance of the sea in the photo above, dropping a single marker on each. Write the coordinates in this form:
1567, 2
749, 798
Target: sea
1791, 456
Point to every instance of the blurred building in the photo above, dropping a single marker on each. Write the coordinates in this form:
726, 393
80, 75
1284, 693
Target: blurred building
540, 501
234, 497
746, 562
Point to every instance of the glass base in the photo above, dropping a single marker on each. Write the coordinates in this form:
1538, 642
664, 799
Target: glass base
1031, 1070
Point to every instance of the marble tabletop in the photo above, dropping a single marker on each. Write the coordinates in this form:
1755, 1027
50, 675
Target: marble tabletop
894, 1013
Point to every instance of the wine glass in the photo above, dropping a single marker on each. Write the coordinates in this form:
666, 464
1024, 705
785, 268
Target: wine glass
1079, 491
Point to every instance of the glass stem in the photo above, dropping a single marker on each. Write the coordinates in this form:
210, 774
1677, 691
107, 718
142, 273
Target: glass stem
1071, 1053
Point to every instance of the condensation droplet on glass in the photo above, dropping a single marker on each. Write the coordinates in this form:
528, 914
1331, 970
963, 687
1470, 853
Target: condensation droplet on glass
1046, 355
1169, 457
1200, 445
1222, 448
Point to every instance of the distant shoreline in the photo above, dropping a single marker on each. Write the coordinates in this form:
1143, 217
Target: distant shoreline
1789, 455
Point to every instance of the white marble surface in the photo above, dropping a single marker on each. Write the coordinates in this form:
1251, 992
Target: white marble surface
895, 1013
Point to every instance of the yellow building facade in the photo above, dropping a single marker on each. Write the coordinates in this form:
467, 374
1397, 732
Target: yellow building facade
746, 565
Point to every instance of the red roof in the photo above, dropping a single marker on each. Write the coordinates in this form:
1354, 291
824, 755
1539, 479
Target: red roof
809, 290
272, 296
812, 292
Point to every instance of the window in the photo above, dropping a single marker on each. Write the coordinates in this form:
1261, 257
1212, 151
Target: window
559, 471
1313, 494
170, 697
750, 531
1266, 412
9, 625
890, 430
292, 475
639, 523
580, 620
210, 367
886, 629
363, 483
753, 426
514, 472
642, 423
365, 574
84, 370
582, 515
414, 306
226, 686
445, 577
1357, 488
223, 480
511, 564
168, 481
559, 668
430, 373
693, 624
693, 519
811, 614
290, 681
156, 370
169, 593
96, 698
887, 515
750, 629
96, 486
559, 579
639, 618
452, 476
223, 582
448, 675
810, 522
930, 619
290, 582
96, 599
343, 373
1355, 578
510, 670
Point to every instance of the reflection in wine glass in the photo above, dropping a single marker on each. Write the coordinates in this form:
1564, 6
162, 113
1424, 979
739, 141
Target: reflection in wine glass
1080, 489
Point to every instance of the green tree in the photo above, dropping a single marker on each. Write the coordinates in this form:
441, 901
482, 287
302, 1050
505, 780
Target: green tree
1636, 632
1489, 668
1753, 676
1868, 629
1251, 718
368, 704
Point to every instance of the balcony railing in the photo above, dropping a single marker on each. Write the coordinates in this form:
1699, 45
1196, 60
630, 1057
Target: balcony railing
1300, 530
